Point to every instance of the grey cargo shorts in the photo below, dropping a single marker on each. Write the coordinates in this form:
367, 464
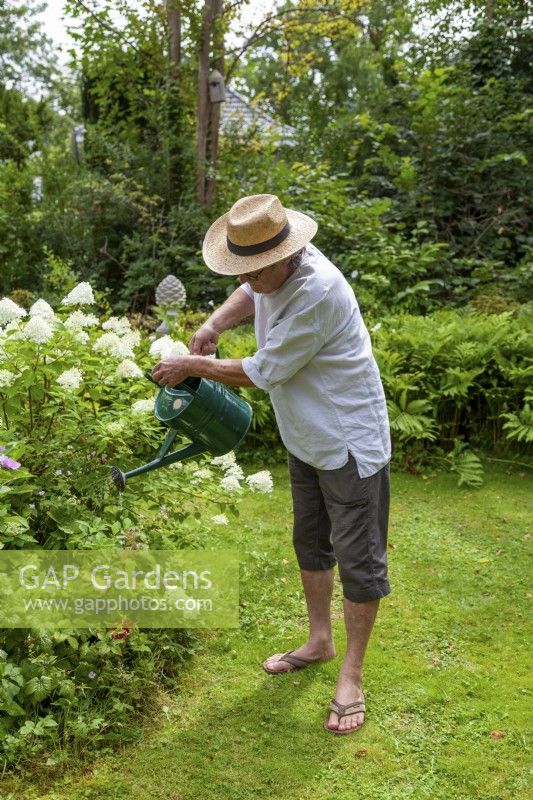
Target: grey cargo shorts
342, 518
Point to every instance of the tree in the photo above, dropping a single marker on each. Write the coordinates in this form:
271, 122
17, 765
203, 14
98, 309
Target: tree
25, 51
207, 118
428, 116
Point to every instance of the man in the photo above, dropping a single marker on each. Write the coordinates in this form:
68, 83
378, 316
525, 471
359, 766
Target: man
315, 359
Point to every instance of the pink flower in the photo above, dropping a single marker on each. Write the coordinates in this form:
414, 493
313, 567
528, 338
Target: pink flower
9, 463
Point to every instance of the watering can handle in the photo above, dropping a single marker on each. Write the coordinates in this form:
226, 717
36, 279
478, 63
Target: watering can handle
184, 386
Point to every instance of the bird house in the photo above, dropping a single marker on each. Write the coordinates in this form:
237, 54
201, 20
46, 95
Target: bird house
217, 90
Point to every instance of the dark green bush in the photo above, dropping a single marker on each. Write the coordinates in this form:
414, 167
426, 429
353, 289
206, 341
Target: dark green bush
452, 379
468, 368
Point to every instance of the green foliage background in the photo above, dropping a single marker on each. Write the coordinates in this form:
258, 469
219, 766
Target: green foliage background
411, 145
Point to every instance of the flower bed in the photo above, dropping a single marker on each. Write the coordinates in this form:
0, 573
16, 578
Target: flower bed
73, 400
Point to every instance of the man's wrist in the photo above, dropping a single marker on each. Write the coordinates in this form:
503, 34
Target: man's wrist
216, 329
201, 367
225, 370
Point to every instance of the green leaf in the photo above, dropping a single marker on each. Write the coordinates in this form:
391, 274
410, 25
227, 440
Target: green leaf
39, 687
12, 708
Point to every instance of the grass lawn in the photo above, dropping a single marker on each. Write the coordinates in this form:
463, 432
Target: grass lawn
445, 675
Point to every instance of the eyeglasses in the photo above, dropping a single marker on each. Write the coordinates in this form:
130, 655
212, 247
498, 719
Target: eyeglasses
252, 276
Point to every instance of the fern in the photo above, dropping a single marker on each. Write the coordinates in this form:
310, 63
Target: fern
519, 426
410, 419
457, 382
261, 405
466, 464
389, 362
467, 354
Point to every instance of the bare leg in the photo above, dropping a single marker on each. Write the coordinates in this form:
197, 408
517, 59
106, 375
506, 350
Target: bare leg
318, 588
359, 620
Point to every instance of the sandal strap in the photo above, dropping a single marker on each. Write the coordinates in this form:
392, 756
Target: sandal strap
358, 706
295, 660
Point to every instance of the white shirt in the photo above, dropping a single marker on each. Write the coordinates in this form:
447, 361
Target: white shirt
315, 360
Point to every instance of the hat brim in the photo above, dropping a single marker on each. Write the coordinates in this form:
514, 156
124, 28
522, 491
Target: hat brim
220, 259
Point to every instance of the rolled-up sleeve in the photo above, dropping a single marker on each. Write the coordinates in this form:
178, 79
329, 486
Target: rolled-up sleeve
248, 289
290, 344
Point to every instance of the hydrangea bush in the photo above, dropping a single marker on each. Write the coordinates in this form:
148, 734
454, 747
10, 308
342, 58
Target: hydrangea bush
73, 401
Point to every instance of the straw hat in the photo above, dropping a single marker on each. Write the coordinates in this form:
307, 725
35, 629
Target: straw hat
257, 231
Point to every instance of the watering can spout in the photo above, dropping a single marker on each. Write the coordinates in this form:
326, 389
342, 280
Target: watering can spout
118, 478
215, 420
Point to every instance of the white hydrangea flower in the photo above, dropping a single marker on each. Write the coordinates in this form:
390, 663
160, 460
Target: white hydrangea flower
70, 379
78, 320
128, 369
81, 295
224, 461
80, 335
220, 519
229, 464
118, 325
204, 473
112, 344
166, 347
143, 406
42, 309
132, 338
6, 378
260, 481
106, 343
10, 311
230, 483
38, 330
122, 350
236, 471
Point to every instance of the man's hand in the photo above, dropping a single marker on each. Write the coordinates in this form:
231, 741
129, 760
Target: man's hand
204, 341
172, 371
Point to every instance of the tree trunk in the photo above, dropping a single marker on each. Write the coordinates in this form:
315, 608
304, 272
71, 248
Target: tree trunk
174, 25
214, 125
175, 111
202, 113
208, 114
489, 9
215, 108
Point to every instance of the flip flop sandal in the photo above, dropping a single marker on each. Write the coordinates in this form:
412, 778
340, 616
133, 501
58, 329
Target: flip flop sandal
296, 661
356, 707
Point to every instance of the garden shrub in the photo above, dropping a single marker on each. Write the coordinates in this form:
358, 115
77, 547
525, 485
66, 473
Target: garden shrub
73, 400
455, 380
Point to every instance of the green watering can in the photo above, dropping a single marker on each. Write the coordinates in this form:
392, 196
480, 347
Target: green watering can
215, 420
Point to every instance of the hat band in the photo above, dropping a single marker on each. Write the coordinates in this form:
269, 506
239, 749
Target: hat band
261, 247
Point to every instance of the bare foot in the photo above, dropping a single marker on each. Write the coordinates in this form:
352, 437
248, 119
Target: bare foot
308, 651
348, 691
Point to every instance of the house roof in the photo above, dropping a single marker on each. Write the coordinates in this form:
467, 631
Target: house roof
238, 111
